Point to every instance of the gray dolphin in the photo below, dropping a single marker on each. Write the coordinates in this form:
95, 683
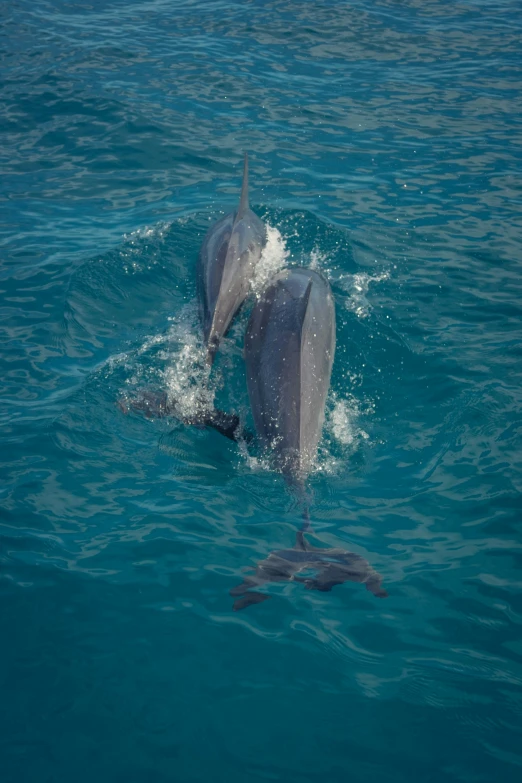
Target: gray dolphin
289, 351
331, 566
226, 264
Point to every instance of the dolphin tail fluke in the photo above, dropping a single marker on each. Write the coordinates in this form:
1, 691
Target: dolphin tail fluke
243, 202
245, 596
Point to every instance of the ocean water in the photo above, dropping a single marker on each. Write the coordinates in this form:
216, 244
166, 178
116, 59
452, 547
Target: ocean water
385, 143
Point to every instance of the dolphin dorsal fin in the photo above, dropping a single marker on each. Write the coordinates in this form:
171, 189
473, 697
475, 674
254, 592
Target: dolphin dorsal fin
303, 303
301, 544
243, 201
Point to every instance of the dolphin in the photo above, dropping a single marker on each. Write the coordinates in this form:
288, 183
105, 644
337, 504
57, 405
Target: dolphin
231, 249
289, 352
331, 566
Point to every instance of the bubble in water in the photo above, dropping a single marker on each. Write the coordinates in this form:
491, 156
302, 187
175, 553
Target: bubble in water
273, 259
357, 286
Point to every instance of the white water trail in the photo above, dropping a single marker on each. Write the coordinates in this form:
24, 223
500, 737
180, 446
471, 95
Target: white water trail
187, 375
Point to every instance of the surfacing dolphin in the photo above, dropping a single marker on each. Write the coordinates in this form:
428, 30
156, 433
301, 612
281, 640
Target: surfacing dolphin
289, 352
227, 260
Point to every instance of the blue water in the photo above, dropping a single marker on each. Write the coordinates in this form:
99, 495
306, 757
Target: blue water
385, 142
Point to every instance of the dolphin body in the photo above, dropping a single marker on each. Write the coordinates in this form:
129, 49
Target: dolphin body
289, 352
231, 249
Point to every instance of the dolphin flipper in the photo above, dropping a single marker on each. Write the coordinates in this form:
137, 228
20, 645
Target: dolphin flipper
226, 424
156, 405
243, 587
248, 599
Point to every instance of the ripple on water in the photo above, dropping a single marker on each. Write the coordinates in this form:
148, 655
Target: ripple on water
384, 146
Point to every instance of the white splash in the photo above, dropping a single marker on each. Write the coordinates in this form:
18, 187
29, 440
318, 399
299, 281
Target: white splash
273, 258
342, 421
317, 259
187, 374
357, 287
148, 232
257, 464
342, 435
141, 249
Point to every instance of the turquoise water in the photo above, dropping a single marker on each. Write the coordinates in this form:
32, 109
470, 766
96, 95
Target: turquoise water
385, 143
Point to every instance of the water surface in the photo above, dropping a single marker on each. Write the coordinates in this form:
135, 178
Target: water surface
386, 148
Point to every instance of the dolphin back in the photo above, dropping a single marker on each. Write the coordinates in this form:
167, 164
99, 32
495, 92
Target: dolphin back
289, 351
211, 264
230, 252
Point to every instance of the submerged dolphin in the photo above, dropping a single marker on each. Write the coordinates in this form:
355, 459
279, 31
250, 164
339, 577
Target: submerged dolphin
331, 566
289, 351
226, 265
156, 405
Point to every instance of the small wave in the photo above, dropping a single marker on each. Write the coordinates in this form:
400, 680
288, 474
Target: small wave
357, 287
141, 249
147, 232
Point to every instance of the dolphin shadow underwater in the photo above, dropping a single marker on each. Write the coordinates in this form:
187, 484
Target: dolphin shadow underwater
331, 566
289, 351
